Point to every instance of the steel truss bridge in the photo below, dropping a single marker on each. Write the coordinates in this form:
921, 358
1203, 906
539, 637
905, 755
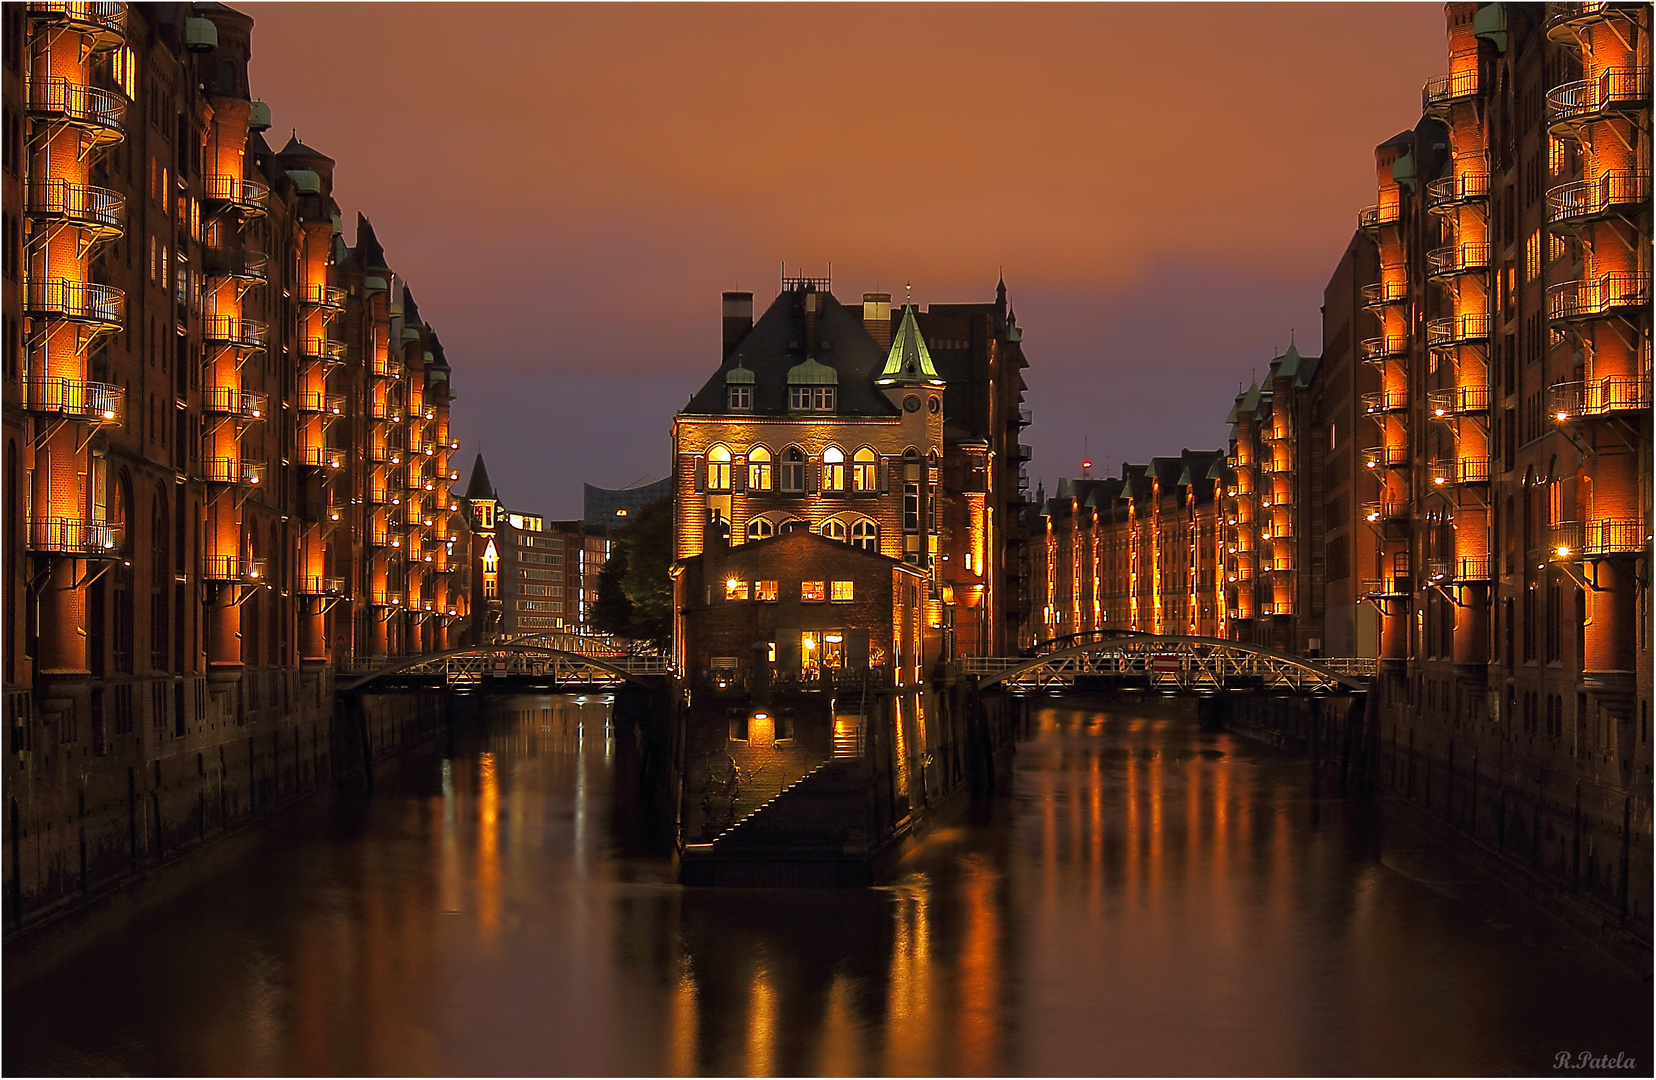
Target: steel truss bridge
1169, 662
515, 666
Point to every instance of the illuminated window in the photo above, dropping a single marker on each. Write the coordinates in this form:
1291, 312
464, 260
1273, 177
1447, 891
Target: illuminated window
759, 469
793, 471
911, 507
718, 469
866, 535
834, 530
841, 591
765, 590
813, 591
863, 469
1555, 155
759, 528
741, 398
833, 469
736, 590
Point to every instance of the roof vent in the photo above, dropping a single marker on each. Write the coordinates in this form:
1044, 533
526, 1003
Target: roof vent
200, 35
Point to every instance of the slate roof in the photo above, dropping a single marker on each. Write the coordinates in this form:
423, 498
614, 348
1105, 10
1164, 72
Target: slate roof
479, 487
368, 249
778, 343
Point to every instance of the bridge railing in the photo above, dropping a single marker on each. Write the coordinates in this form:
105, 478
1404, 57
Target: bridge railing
1191, 665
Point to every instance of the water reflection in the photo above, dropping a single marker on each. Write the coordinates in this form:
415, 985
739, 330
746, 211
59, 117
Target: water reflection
1150, 898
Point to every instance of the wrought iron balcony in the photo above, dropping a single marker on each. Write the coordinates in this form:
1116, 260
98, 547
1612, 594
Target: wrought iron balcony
1380, 402
1370, 218
321, 350
1623, 191
1277, 607
78, 537
1458, 259
100, 307
232, 568
1457, 330
1382, 511
1572, 540
1572, 301
1396, 587
316, 585
386, 367
1379, 350
385, 410
244, 266
102, 20
1458, 471
244, 196
321, 457
1600, 397
97, 211
312, 401
1386, 457
386, 536
72, 399
1461, 568
1447, 192
231, 401
96, 112
383, 597
1458, 401
235, 331
385, 455
1441, 91
1385, 293
1615, 90
1024, 452
385, 493
326, 297
228, 470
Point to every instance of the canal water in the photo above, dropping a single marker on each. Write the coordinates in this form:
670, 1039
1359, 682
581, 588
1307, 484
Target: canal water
1149, 898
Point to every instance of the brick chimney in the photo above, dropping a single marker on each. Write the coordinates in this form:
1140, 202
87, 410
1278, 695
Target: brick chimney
738, 319
877, 317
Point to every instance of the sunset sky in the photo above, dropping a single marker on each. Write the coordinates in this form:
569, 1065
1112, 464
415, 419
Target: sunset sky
568, 189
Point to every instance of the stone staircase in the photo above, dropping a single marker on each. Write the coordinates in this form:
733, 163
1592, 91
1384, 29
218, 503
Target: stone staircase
826, 810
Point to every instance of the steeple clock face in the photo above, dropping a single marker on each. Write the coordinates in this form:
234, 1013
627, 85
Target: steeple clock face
911, 403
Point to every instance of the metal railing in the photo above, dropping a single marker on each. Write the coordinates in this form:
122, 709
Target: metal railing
312, 401
1449, 191
1459, 568
385, 536
1372, 217
1592, 539
239, 265
385, 455
321, 457
102, 18
228, 470
74, 536
1378, 350
1385, 401
231, 401
323, 296
321, 349
232, 568
93, 208
1381, 510
388, 597
248, 195
1461, 470
1614, 88
1443, 89
1458, 401
1591, 198
234, 330
1600, 397
385, 410
95, 402
1385, 457
1458, 259
75, 301
1593, 299
1386, 588
318, 585
386, 366
1381, 293
1458, 329
97, 111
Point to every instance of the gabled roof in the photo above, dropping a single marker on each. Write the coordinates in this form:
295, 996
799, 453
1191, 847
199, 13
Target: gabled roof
411, 310
479, 486
368, 249
909, 360
783, 342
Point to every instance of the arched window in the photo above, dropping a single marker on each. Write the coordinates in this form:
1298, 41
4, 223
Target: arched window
833, 470
718, 469
834, 529
793, 471
864, 469
759, 469
759, 528
866, 535
794, 525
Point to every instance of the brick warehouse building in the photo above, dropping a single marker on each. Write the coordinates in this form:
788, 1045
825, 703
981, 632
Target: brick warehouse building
226, 447
1461, 485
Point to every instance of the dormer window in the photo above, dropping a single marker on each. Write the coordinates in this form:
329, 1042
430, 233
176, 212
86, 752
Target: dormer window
741, 398
811, 398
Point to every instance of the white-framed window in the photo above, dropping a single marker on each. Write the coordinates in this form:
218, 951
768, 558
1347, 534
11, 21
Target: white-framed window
864, 470
793, 470
833, 470
741, 398
834, 529
760, 476
718, 469
866, 535
811, 398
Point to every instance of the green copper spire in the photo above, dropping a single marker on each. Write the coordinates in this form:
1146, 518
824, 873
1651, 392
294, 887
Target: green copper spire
910, 361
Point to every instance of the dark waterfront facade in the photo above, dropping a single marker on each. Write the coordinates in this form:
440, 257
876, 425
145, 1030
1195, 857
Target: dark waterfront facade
1149, 899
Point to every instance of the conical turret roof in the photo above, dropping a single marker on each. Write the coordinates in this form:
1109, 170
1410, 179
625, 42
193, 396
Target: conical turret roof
479, 486
909, 359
